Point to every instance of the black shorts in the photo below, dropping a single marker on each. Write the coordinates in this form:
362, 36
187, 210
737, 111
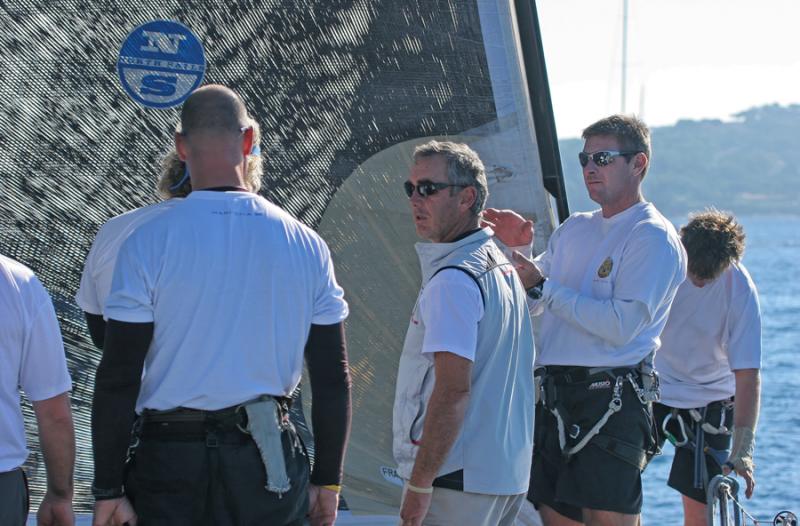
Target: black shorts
601, 476
681, 474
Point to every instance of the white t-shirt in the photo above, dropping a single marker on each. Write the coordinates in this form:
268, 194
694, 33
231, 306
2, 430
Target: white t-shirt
232, 284
31, 355
451, 307
712, 331
99, 266
610, 285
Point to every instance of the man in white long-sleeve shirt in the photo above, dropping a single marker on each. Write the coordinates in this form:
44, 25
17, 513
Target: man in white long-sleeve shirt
603, 288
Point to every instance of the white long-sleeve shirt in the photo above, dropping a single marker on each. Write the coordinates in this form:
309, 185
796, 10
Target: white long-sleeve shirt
610, 285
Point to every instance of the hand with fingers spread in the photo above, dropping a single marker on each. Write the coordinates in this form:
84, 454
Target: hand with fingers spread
509, 227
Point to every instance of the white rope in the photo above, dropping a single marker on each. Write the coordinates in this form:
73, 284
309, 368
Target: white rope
613, 406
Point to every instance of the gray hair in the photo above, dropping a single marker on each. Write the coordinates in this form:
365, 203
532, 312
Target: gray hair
464, 167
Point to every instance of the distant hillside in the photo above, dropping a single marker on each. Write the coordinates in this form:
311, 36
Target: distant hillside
748, 166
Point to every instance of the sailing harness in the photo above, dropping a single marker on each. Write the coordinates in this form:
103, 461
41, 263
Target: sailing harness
692, 426
550, 382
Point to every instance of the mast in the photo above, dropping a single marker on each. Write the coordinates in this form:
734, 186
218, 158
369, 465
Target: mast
624, 52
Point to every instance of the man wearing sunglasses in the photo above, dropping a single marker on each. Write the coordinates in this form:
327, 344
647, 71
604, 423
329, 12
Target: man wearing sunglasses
463, 412
603, 288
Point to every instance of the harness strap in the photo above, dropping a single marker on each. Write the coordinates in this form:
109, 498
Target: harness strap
694, 425
468, 273
555, 376
627, 452
700, 469
613, 406
707, 426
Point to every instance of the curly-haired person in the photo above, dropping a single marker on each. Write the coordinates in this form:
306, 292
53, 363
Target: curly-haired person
710, 355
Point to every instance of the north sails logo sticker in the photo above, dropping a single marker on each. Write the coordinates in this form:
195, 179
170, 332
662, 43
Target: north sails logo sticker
605, 269
602, 384
161, 63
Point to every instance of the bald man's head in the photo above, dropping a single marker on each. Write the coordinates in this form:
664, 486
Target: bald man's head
213, 109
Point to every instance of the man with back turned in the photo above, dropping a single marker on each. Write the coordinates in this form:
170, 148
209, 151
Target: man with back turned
221, 296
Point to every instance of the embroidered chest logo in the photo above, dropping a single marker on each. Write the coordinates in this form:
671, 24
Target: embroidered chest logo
605, 268
602, 384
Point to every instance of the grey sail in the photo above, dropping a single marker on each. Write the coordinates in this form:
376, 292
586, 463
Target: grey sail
343, 91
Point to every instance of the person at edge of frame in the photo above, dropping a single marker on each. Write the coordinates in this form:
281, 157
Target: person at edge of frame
32, 358
709, 364
463, 410
199, 293
603, 288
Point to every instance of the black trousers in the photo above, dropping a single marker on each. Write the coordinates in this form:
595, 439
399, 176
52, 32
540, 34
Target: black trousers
13, 498
220, 482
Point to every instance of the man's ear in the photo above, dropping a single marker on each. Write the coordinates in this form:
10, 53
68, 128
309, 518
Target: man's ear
247, 141
180, 146
640, 161
468, 197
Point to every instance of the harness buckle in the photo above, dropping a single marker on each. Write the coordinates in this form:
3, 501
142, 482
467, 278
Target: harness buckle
574, 431
212, 440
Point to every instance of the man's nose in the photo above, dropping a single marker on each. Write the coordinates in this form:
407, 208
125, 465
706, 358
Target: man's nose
415, 198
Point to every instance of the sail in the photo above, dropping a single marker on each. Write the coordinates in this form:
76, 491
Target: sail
343, 90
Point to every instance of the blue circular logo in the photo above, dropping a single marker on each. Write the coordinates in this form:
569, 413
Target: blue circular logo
161, 63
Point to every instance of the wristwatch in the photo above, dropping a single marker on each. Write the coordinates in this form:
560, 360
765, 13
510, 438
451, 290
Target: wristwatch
107, 494
535, 292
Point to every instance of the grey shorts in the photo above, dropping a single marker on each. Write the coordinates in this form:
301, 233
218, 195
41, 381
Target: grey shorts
14, 503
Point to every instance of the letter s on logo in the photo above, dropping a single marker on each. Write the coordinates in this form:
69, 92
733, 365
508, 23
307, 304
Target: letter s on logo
158, 85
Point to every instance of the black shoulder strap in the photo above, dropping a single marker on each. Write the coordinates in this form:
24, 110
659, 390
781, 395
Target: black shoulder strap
468, 273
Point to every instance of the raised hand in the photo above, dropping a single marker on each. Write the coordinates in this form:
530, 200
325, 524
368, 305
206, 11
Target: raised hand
509, 227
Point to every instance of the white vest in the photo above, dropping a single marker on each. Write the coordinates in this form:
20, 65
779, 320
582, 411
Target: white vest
495, 444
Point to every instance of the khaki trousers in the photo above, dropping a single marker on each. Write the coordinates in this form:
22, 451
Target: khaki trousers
459, 508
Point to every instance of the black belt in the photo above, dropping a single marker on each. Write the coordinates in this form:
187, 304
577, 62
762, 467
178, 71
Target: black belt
571, 374
184, 424
187, 415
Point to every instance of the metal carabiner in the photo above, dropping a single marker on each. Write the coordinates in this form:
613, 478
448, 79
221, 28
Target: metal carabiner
672, 438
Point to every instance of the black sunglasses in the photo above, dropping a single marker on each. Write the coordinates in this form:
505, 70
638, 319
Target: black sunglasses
603, 158
426, 188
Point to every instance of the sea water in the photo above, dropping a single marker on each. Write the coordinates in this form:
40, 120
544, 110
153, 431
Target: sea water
773, 258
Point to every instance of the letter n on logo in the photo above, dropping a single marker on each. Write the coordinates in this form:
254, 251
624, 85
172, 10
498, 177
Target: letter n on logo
162, 42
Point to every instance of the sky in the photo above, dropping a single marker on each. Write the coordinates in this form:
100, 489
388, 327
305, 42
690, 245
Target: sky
687, 59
